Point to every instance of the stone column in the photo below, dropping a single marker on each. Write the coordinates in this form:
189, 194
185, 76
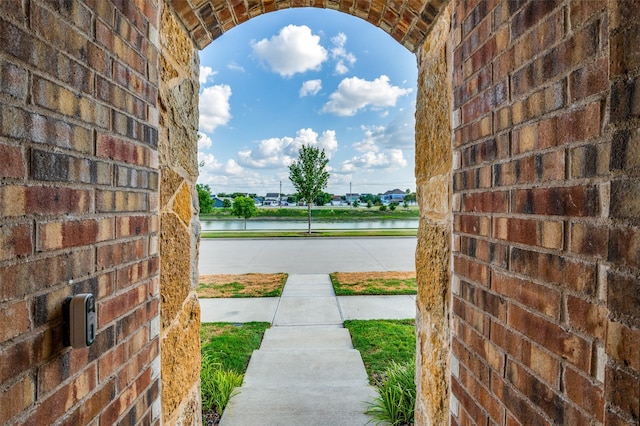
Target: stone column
433, 176
179, 225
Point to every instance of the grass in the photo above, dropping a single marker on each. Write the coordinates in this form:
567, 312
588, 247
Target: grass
396, 398
245, 285
325, 212
226, 350
374, 283
388, 350
382, 342
317, 234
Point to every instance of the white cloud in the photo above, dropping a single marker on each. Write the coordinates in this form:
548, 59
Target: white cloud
355, 93
281, 152
206, 73
208, 162
294, 50
235, 67
391, 158
310, 87
339, 53
214, 107
204, 141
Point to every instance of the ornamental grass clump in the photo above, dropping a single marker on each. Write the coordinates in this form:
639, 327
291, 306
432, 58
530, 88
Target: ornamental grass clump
217, 385
396, 396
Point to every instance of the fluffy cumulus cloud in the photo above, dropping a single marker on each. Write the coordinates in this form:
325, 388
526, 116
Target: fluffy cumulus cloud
354, 94
294, 50
339, 53
214, 106
204, 141
387, 159
281, 152
206, 74
310, 87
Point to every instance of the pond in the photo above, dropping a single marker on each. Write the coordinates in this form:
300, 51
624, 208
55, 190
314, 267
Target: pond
257, 224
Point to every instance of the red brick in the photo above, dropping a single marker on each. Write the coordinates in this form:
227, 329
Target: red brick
553, 337
57, 235
623, 297
545, 366
530, 15
114, 308
12, 158
474, 363
92, 406
589, 239
120, 149
121, 252
578, 201
61, 368
472, 316
580, 125
489, 202
477, 225
65, 397
587, 316
622, 344
622, 391
128, 226
543, 299
16, 398
625, 199
476, 341
16, 320
589, 395
589, 80
15, 241
479, 392
553, 269
126, 398
467, 402
485, 301
472, 270
515, 403
542, 396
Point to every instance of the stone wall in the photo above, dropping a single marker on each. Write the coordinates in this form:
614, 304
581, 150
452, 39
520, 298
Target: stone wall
179, 225
433, 180
79, 210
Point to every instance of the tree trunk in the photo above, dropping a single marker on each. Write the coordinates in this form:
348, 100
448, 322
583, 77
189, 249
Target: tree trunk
309, 218
245, 223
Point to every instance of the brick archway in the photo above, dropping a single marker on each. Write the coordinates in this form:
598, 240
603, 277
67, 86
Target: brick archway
407, 22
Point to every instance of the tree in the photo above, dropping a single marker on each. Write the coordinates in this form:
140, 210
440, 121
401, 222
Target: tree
244, 207
356, 203
322, 199
309, 176
226, 203
204, 198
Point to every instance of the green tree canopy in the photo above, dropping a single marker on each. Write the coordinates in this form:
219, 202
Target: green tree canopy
244, 207
309, 175
204, 198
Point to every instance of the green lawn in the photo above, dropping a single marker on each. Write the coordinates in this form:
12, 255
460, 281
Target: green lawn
374, 283
231, 345
322, 233
382, 341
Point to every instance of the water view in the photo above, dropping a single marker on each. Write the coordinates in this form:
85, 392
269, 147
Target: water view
256, 224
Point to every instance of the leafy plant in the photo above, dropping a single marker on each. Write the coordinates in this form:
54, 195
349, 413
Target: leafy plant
309, 175
244, 207
204, 198
217, 385
396, 398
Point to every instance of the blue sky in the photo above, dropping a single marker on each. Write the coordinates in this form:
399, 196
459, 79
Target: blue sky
306, 76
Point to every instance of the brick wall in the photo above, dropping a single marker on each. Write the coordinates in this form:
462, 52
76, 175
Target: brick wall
546, 321
78, 206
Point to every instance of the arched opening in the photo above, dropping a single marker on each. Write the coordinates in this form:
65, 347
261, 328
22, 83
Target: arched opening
432, 174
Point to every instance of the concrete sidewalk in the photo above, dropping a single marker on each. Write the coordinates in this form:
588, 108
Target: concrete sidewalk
306, 371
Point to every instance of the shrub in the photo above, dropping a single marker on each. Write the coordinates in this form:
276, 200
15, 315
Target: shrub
396, 396
217, 385
383, 208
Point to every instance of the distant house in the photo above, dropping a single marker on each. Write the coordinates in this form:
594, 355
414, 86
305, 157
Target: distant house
271, 199
218, 202
337, 200
351, 197
396, 195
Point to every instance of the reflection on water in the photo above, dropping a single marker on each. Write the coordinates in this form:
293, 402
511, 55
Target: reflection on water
234, 225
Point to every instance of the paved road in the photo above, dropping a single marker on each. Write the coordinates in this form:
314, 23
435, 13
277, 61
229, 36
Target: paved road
306, 255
